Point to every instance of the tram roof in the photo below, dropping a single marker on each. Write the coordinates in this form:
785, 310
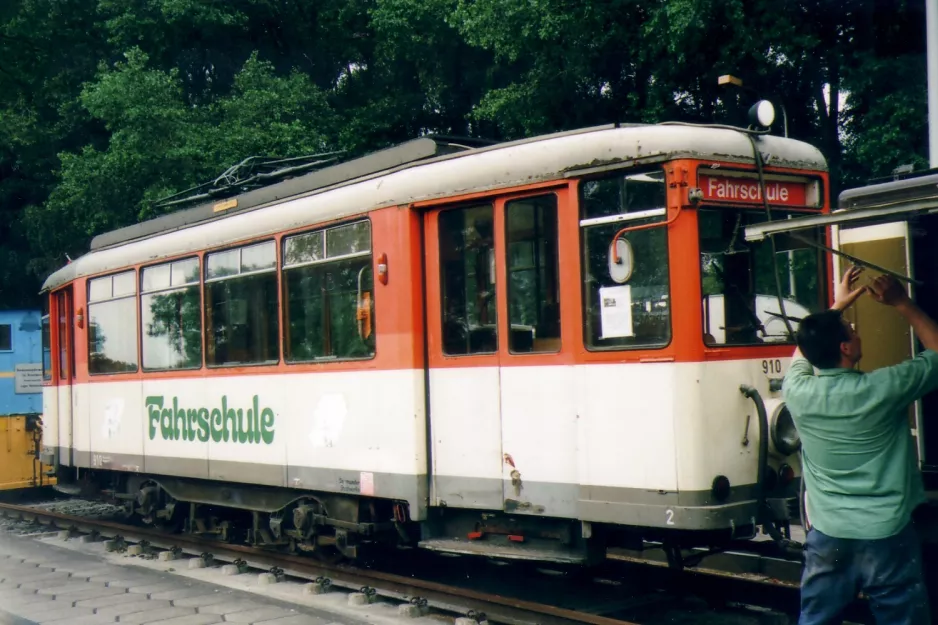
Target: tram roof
422, 170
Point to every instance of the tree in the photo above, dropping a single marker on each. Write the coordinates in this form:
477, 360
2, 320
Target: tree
160, 143
38, 119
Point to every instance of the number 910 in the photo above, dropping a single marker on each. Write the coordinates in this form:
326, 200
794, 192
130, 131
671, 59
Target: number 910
771, 366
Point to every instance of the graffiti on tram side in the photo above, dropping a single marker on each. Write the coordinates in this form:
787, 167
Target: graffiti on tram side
222, 424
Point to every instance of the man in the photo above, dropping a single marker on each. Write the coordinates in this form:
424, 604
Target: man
859, 462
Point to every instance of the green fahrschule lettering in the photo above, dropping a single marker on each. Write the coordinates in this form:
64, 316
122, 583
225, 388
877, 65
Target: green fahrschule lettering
223, 424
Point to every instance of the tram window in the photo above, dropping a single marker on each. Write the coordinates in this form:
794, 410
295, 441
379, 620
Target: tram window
46, 341
467, 280
645, 317
62, 313
740, 301
328, 289
171, 307
242, 325
6, 337
617, 195
112, 324
533, 275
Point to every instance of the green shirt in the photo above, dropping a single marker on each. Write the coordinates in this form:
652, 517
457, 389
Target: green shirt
858, 455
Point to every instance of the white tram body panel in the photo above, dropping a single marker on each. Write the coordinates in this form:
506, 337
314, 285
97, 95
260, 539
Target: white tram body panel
540, 440
326, 433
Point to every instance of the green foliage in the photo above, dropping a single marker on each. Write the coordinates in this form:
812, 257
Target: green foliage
160, 143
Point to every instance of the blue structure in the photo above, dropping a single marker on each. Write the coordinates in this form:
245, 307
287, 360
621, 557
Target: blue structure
20, 362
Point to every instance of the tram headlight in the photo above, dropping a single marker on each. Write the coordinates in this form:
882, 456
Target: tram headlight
762, 113
784, 434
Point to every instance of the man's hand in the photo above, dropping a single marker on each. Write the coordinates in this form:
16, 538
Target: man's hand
887, 290
845, 294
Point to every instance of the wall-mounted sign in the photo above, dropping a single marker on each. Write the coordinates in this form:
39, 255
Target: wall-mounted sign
27, 379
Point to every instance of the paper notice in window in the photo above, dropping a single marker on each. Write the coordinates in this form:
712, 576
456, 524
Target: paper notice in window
615, 305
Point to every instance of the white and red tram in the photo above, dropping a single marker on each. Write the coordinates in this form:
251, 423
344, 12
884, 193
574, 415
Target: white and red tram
441, 344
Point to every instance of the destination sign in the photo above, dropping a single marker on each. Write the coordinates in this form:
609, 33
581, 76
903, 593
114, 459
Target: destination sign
747, 190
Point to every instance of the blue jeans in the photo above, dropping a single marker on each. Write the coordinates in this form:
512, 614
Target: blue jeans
888, 571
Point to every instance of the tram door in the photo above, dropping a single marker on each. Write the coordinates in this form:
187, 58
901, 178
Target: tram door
462, 336
887, 338
66, 372
502, 411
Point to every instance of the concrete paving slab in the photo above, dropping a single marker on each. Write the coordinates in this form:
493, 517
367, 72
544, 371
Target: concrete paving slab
224, 609
94, 619
83, 571
178, 593
15, 603
194, 619
204, 600
11, 591
151, 588
69, 588
19, 567
40, 584
53, 612
102, 602
124, 610
298, 619
258, 614
90, 593
124, 580
18, 579
155, 616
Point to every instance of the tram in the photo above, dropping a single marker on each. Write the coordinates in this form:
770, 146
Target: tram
532, 349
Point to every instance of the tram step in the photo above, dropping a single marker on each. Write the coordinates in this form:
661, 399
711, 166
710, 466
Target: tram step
500, 547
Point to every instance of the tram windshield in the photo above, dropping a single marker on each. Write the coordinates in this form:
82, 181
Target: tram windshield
740, 294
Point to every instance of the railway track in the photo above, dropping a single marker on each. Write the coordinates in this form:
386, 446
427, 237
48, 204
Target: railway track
622, 589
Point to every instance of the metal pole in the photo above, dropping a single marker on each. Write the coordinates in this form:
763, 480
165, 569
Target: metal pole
931, 31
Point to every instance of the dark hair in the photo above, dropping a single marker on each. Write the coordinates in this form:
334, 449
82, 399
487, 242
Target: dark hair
819, 337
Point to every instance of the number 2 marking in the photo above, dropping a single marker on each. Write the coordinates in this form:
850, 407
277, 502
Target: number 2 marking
771, 366
670, 517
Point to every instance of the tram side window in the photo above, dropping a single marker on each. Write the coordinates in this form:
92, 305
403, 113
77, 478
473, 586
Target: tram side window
112, 324
61, 305
467, 280
635, 313
242, 326
328, 289
533, 275
6, 337
46, 341
171, 306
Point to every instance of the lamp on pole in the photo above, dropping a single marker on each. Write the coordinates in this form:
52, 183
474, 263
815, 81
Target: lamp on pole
729, 79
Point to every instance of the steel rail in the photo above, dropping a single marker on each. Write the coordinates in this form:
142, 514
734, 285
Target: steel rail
447, 598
